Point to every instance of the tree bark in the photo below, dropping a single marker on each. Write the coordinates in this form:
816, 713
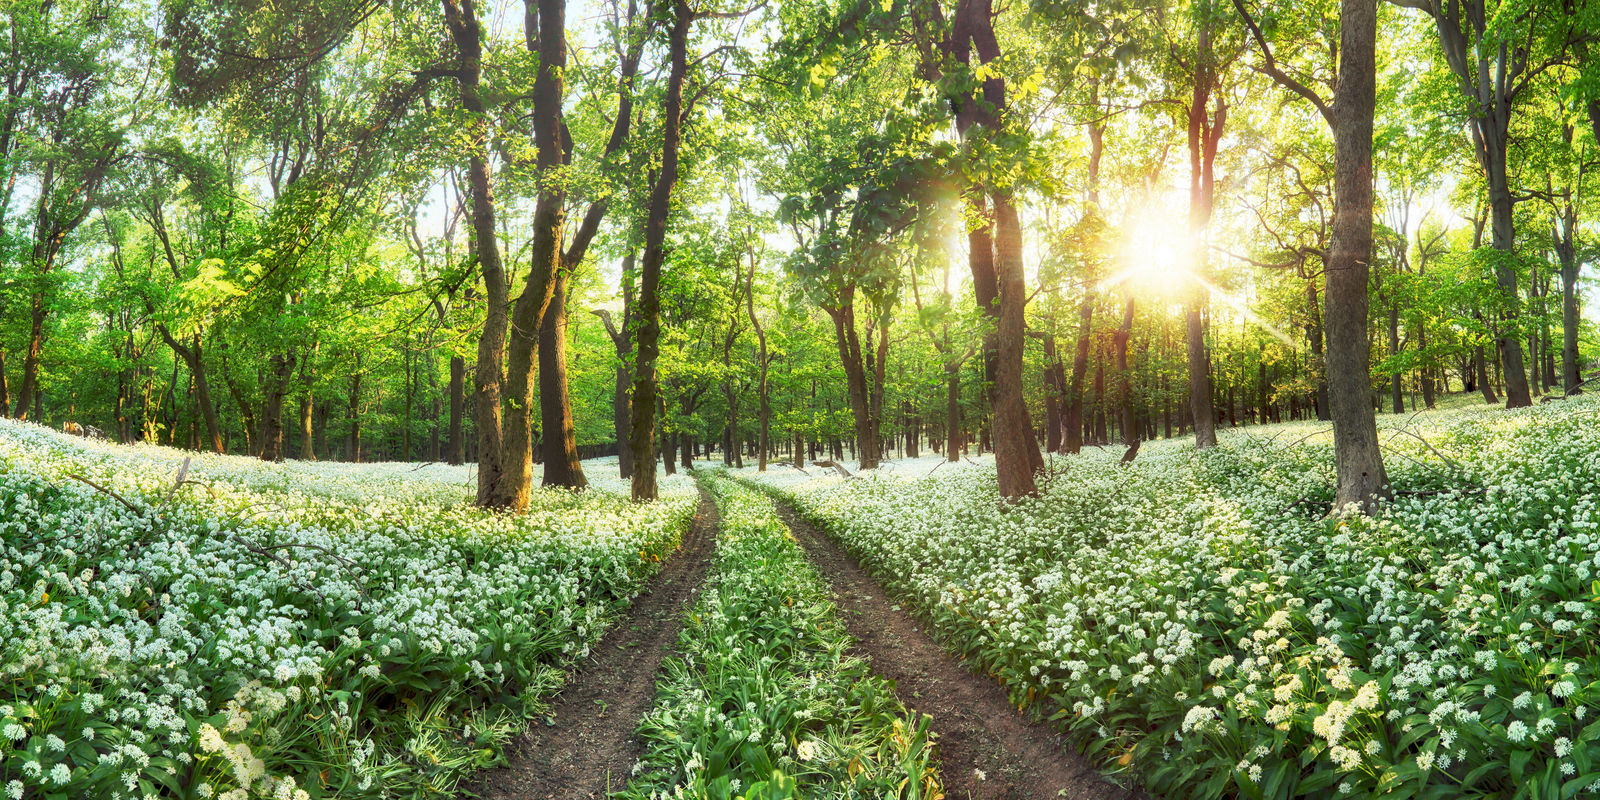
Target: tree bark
272, 448
849, 346
1204, 133
466, 32
655, 235
1358, 461
1016, 451
559, 439
545, 31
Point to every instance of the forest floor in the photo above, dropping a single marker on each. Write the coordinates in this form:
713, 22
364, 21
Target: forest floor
587, 745
987, 749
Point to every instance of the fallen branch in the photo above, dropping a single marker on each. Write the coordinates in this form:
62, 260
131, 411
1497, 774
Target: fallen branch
836, 465
107, 492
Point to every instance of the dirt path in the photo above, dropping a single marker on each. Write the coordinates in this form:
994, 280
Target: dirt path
977, 728
590, 748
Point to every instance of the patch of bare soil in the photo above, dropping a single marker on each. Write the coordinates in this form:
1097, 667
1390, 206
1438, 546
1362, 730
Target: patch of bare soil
587, 746
987, 749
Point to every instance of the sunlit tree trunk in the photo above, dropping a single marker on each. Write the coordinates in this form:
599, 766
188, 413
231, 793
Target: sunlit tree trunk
466, 31
1358, 461
559, 437
648, 347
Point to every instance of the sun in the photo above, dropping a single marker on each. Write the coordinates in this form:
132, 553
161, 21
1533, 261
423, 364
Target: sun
1154, 256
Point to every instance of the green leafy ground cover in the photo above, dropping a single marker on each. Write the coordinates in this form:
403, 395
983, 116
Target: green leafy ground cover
1198, 620
763, 701
294, 630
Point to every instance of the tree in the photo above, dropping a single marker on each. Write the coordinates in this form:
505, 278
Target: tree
1357, 458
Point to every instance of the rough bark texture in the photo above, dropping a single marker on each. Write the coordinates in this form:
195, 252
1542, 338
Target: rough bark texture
855, 374
1016, 452
272, 448
1204, 132
466, 30
655, 236
544, 25
558, 436
1355, 434
1490, 78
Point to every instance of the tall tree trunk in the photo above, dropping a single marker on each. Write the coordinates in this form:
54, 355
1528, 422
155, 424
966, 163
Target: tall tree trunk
849, 346
655, 236
1358, 461
272, 448
559, 437
1016, 451
545, 31
1204, 132
466, 30
1482, 364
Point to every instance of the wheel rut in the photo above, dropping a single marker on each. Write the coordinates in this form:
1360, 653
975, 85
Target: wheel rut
587, 746
986, 749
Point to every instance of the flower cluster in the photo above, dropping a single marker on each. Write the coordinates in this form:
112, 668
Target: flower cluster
286, 630
764, 699
1203, 621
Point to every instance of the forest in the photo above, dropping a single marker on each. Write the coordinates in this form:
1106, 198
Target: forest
1202, 385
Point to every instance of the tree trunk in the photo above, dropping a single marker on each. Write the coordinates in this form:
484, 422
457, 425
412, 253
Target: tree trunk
455, 447
1130, 430
1358, 461
1016, 451
849, 346
1204, 132
1481, 362
647, 348
466, 30
545, 32
272, 448
559, 439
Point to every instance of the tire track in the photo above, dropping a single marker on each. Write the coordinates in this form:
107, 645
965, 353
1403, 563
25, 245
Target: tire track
986, 749
590, 748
